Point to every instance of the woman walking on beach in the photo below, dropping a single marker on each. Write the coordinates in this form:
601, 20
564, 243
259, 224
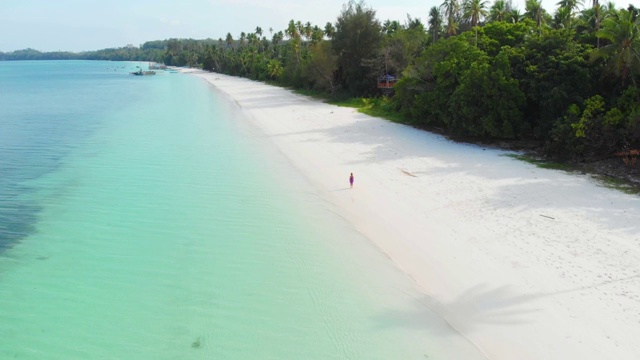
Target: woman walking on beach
351, 180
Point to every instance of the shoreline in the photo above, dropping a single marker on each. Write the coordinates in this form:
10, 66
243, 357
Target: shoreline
526, 263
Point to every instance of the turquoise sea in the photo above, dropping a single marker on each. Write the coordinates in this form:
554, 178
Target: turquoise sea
144, 218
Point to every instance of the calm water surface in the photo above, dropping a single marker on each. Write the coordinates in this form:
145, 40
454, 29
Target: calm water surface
142, 218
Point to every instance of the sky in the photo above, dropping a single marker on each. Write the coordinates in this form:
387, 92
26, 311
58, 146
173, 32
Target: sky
84, 25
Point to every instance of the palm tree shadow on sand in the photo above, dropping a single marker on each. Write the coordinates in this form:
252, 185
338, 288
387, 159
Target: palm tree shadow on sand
477, 306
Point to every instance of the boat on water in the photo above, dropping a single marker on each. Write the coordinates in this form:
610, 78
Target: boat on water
141, 73
156, 66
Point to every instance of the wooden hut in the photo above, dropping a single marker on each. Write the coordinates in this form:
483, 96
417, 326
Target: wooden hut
386, 83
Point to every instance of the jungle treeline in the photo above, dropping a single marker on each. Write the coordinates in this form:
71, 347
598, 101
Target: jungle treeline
149, 51
475, 70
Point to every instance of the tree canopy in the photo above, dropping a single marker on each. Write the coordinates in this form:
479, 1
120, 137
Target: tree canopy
567, 79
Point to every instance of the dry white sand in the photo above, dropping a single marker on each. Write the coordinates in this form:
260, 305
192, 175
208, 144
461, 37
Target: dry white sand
527, 263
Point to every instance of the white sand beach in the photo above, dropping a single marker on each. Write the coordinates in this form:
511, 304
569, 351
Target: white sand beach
525, 262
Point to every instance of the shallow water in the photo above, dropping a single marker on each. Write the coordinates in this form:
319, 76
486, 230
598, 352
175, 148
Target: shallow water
142, 218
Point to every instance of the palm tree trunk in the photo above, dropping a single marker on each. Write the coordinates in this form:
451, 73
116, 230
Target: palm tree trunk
597, 29
476, 35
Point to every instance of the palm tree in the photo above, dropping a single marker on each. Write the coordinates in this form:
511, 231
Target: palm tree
635, 12
597, 13
562, 18
435, 22
569, 9
602, 13
590, 20
451, 10
474, 11
317, 35
623, 51
308, 30
534, 11
391, 27
277, 38
413, 24
293, 33
292, 30
498, 11
274, 69
300, 28
329, 30
386, 27
229, 39
252, 39
515, 16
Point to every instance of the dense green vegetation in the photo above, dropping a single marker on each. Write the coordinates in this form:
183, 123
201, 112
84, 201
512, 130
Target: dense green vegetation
567, 80
182, 52
149, 51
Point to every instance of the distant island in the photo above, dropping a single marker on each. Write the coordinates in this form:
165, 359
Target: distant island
149, 51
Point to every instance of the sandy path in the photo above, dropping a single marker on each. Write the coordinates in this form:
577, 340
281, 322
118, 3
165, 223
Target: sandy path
527, 263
